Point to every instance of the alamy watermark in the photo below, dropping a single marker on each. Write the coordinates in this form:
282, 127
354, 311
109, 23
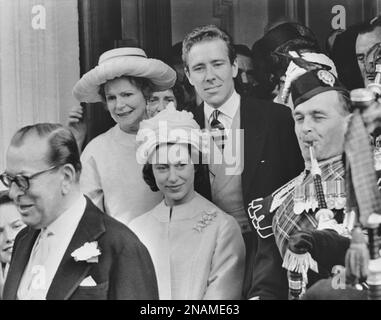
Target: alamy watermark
38, 21
208, 143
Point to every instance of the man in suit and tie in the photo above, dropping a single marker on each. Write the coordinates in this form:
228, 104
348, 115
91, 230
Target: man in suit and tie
270, 156
69, 249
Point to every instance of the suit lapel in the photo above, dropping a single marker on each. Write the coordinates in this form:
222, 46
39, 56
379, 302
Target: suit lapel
199, 115
255, 126
19, 262
70, 273
202, 186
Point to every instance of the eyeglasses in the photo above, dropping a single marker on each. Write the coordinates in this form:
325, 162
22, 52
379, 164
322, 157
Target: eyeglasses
22, 181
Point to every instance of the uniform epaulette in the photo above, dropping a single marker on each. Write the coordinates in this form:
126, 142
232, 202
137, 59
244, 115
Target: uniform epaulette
260, 216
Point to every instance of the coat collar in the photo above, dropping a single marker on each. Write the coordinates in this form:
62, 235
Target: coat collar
199, 115
69, 273
186, 211
19, 261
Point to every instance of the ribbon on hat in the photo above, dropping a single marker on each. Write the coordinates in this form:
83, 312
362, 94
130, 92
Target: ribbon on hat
294, 71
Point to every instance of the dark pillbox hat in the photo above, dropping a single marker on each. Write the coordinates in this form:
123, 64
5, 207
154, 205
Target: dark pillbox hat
278, 36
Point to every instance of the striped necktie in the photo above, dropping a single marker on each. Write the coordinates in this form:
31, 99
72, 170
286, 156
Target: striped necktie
218, 130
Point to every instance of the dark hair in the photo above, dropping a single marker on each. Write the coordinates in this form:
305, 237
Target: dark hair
277, 22
178, 92
149, 177
345, 103
269, 63
279, 63
63, 148
330, 41
4, 197
243, 50
176, 53
305, 31
370, 26
207, 33
343, 54
143, 84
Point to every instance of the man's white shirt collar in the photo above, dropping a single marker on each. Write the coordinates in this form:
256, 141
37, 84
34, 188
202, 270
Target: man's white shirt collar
228, 109
69, 219
61, 231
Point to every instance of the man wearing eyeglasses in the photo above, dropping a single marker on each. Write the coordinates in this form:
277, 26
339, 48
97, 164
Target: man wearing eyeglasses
69, 249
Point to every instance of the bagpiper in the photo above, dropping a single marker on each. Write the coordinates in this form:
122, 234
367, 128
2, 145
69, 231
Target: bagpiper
321, 110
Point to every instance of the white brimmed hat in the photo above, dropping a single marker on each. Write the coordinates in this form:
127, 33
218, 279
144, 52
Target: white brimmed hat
169, 126
123, 61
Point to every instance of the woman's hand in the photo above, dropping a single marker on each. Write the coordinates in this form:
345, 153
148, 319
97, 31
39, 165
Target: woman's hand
77, 125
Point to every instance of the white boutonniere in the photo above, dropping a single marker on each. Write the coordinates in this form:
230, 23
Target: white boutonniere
89, 252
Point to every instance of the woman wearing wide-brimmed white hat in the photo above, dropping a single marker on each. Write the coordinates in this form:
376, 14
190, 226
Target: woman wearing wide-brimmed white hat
111, 176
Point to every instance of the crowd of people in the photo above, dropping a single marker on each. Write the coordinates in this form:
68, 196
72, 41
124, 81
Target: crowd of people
230, 173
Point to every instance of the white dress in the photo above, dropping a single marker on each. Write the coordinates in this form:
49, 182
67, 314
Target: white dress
198, 251
112, 178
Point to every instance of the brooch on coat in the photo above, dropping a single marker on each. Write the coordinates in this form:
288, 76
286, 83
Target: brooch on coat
206, 218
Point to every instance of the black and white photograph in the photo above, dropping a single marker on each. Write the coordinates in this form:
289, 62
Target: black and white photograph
190, 150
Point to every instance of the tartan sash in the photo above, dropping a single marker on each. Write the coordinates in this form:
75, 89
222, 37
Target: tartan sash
361, 180
286, 222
